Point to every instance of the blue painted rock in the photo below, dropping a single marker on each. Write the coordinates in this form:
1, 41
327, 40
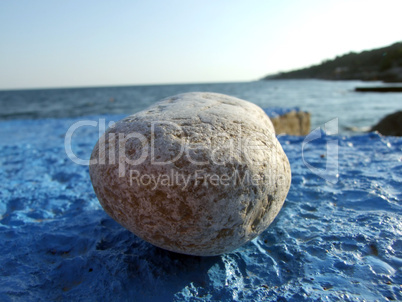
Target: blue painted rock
196, 173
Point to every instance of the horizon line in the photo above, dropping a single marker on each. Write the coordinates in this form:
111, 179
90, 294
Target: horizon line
123, 85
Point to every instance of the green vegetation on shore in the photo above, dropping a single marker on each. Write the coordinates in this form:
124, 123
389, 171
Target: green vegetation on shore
382, 64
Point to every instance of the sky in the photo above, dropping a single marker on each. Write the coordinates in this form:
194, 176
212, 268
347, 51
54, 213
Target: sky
75, 43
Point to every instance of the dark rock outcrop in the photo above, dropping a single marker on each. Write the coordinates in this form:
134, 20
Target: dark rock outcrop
390, 125
379, 89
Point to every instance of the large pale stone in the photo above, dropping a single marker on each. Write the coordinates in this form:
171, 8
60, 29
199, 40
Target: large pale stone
196, 173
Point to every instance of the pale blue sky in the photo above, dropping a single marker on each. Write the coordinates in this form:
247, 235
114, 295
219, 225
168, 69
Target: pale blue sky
51, 43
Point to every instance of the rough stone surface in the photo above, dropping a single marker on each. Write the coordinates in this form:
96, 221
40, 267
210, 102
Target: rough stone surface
292, 123
197, 173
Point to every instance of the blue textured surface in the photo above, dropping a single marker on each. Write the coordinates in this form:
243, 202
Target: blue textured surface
330, 242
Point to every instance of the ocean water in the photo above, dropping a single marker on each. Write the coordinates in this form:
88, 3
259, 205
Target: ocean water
325, 100
335, 239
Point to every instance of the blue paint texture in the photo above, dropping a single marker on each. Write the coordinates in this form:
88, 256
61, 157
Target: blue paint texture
331, 241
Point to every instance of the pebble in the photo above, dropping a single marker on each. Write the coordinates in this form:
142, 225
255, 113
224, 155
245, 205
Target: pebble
197, 173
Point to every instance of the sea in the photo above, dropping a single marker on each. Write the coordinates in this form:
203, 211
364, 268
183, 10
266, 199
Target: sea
325, 100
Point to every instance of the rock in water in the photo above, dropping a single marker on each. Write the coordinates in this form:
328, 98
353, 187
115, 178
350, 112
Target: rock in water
196, 173
390, 125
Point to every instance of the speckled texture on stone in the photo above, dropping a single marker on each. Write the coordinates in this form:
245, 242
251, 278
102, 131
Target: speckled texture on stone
202, 173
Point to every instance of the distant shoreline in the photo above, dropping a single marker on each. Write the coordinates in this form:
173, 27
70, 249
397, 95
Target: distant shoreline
382, 64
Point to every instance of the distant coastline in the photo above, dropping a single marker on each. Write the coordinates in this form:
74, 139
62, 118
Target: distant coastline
381, 64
